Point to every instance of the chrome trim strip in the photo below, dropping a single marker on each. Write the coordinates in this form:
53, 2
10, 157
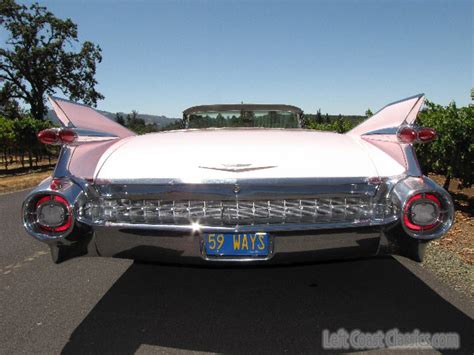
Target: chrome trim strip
172, 183
387, 130
92, 133
62, 166
92, 139
246, 228
243, 190
413, 167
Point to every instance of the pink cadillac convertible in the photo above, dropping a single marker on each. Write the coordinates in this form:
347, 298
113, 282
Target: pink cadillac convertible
238, 184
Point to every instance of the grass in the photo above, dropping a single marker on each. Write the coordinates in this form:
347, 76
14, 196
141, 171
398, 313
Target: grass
15, 182
19, 177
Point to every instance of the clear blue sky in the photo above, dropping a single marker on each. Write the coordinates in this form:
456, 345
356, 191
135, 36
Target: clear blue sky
341, 56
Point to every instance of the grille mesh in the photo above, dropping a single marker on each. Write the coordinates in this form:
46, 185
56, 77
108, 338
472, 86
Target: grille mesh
223, 213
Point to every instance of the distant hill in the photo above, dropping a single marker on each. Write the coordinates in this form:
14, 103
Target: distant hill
161, 121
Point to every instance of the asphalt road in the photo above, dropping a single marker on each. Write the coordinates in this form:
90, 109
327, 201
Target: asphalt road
99, 305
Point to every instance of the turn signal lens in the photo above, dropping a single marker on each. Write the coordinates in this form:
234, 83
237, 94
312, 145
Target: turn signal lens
426, 134
407, 135
421, 212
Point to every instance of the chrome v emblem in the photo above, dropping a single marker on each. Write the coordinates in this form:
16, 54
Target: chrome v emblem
237, 168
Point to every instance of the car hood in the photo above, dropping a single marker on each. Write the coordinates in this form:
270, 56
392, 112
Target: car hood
216, 154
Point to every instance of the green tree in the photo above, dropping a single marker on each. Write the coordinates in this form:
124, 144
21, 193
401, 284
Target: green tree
25, 129
119, 119
7, 138
369, 113
38, 58
10, 108
138, 125
452, 153
319, 117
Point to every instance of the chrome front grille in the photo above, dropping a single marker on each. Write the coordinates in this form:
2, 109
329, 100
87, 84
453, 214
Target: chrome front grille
320, 210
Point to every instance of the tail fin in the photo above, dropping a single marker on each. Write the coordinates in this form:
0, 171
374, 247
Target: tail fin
389, 118
381, 130
74, 115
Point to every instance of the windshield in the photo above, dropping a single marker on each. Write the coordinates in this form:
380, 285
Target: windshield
243, 118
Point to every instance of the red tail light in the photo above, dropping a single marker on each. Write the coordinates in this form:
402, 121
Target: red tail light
426, 134
67, 136
57, 136
407, 135
48, 136
422, 212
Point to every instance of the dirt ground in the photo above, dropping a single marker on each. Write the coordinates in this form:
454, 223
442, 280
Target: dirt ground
20, 181
19, 177
460, 239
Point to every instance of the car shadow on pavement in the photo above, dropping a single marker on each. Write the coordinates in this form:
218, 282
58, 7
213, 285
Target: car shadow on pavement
264, 310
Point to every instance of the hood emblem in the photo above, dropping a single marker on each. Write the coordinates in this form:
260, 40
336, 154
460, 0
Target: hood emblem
237, 168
